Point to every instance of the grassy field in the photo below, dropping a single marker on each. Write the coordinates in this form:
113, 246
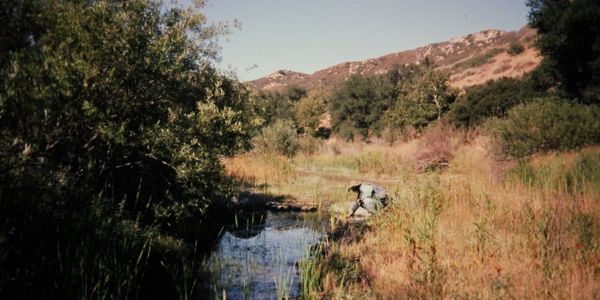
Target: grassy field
479, 228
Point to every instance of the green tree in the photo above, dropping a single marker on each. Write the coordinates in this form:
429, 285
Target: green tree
309, 111
568, 38
358, 105
492, 99
354, 107
106, 107
278, 105
423, 100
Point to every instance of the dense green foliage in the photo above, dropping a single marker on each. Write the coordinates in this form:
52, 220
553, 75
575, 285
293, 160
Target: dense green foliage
309, 111
279, 137
409, 96
568, 38
547, 124
492, 99
358, 105
276, 105
106, 107
422, 100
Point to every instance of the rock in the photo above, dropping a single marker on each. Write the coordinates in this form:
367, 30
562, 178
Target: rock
308, 208
289, 207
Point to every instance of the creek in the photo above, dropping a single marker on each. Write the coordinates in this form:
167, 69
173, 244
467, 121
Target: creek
257, 258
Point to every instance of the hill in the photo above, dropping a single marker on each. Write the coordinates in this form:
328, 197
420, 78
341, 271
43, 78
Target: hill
471, 60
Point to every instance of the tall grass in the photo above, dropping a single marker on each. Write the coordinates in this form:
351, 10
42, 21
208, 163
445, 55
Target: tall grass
310, 274
119, 259
96, 267
473, 230
568, 173
479, 228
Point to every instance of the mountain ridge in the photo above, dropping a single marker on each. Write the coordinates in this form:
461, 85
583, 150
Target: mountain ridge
471, 59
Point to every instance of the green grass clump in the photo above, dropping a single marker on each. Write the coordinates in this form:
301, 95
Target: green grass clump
580, 175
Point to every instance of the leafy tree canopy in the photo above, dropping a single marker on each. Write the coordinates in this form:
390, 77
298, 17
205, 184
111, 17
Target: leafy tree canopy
492, 99
569, 39
358, 105
309, 110
422, 99
278, 105
105, 105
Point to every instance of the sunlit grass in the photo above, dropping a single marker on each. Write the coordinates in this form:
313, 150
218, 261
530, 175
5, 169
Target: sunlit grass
481, 228
465, 233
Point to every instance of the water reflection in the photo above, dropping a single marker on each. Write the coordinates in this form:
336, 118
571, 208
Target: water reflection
259, 261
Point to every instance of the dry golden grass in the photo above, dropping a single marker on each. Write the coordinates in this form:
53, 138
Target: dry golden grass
471, 230
464, 234
503, 65
258, 169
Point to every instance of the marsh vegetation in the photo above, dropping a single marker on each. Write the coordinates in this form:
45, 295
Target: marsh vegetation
131, 167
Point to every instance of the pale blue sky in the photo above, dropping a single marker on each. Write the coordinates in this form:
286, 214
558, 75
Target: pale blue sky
308, 35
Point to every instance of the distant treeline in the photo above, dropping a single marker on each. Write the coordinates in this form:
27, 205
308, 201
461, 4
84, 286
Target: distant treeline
398, 105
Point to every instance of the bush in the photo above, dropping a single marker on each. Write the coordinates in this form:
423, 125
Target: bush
436, 146
309, 145
492, 99
546, 124
279, 137
515, 48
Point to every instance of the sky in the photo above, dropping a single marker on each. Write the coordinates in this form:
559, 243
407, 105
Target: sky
309, 35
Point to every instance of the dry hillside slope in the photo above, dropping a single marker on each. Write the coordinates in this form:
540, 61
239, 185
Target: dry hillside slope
471, 60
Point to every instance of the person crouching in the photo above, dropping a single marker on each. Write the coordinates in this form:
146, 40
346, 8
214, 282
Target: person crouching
369, 196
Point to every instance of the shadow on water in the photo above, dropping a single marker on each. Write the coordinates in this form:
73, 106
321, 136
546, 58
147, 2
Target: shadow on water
257, 256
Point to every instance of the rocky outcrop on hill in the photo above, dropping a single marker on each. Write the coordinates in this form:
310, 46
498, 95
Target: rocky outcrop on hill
471, 60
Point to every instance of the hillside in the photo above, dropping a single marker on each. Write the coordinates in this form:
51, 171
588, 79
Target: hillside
471, 60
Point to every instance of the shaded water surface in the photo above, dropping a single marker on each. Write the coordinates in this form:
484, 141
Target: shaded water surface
259, 261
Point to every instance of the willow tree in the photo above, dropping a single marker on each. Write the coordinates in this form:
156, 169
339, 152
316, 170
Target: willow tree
107, 108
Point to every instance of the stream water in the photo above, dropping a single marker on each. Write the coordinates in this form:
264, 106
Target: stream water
258, 258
